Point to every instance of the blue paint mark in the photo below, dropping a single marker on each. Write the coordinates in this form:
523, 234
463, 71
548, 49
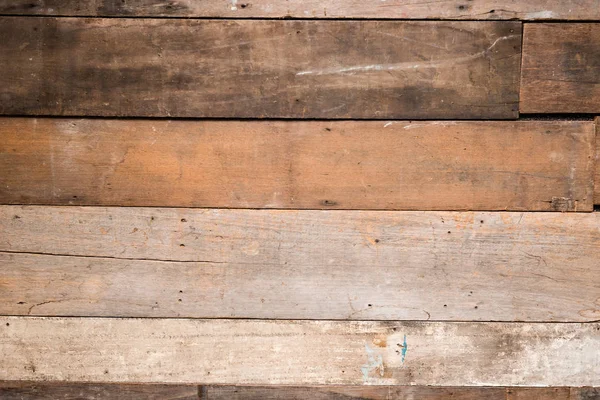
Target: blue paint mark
404, 348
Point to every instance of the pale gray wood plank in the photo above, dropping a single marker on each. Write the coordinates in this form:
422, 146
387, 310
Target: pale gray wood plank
363, 265
299, 352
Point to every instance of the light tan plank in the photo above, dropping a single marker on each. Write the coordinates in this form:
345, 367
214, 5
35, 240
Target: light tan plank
525, 165
405, 9
259, 68
299, 264
561, 68
299, 352
75, 391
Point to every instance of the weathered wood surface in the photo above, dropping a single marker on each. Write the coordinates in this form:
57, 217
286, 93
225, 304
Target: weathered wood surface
359, 265
299, 352
525, 165
561, 68
259, 69
405, 9
74, 391
597, 180
395, 393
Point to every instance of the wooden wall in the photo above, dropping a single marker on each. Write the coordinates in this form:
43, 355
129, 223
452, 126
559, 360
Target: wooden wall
330, 199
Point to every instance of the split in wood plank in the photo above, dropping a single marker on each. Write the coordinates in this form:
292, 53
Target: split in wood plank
145, 262
561, 68
403, 9
259, 69
73, 391
523, 165
255, 352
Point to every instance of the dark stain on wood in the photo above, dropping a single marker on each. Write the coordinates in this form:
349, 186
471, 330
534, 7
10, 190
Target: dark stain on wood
259, 69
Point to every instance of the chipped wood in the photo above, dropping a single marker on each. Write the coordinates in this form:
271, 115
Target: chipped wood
259, 68
156, 262
399, 165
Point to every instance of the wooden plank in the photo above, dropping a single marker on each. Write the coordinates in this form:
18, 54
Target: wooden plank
534, 165
561, 68
299, 265
597, 180
259, 68
404, 9
256, 352
78, 391
394, 392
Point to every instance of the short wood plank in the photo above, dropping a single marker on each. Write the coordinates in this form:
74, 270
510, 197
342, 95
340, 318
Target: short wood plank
259, 68
144, 262
298, 352
78, 391
561, 68
394, 392
524, 165
405, 9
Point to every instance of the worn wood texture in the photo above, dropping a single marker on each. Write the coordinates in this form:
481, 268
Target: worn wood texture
258, 68
73, 391
561, 68
360, 265
526, 165
405, 9
299, 352
395, 393
597, 180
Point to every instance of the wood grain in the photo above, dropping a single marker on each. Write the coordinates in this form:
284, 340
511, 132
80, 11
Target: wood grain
144, 262
597, 180
298, 352
525, 165
395, 392
78, 391
404, 9
561, 68
259, 68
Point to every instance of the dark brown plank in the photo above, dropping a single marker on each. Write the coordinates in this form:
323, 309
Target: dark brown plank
561, 68
395, 392
525, 165
79, 391
405, 9
258, 68
597, 180
73, 391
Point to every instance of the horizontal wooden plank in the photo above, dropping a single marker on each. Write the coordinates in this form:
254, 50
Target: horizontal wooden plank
406, 9
75, 391
299, 352
72, 391
395, 392
146, 262
524, 165
259, 69
561, 68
